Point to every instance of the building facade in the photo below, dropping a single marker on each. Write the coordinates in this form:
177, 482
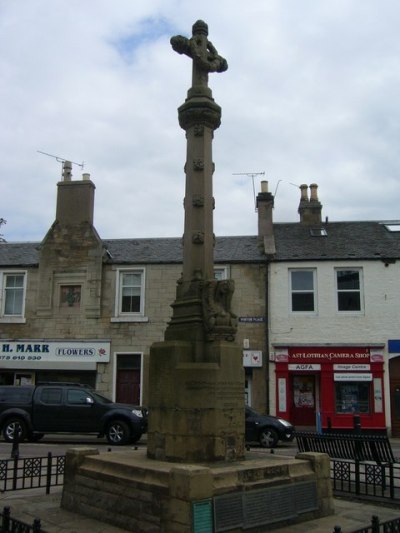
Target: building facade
317, 305
333, 317
78, 308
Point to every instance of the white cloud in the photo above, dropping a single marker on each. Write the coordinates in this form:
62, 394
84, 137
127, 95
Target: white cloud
310, 96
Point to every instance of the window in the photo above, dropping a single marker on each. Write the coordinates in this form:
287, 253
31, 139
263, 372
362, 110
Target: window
13, 285
395, 226
352, 397
318, 232
302, 287
348, 284
78, 397
130, 295
221, 273
51, 396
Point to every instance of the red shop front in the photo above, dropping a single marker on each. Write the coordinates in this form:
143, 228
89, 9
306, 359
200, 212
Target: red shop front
322, 387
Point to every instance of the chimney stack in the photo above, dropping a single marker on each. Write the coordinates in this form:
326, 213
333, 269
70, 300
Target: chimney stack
75, 199
310, 209
265, 204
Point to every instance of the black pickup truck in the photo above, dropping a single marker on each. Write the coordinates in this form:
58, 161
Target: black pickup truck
33, 411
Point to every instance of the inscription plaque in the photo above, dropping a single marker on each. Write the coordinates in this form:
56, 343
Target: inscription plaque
264, 506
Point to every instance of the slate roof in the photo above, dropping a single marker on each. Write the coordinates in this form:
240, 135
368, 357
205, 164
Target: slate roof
19, 254
143, 251
344, 240
293, 242
169, 250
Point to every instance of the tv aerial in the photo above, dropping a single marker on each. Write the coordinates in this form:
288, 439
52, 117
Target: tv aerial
251, 175
66, 173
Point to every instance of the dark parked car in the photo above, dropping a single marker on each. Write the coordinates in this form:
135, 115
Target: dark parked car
267, 430
33, 411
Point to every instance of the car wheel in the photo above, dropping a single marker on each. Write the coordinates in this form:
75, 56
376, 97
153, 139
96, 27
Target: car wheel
12, 427
118, 433
268, 438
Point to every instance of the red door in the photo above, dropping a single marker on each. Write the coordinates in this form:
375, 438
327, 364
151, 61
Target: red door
128, 386
303, 400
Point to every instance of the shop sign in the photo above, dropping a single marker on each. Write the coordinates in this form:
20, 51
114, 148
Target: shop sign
32, 351
305, 366
376, 355
352, 377
280, 356
394, 346
333, 354
252, 358
351, 367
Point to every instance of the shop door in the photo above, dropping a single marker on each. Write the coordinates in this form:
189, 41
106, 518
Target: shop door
128, 386
303, 406
394, 373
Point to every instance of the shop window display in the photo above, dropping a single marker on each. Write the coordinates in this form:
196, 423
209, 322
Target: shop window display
352, 397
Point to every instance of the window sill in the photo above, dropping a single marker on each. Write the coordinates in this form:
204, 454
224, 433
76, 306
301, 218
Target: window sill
12, 320
129, 319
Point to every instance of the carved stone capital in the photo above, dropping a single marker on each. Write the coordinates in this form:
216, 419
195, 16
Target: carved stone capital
197, 112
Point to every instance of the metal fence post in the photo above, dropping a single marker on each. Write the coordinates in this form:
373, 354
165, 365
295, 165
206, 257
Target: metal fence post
15, 446
15, 473
48, 473
391, 481
375, 524
36, 527
357, 475
5, 523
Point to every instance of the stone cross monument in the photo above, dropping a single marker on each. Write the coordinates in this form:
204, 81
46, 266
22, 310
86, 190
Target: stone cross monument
196, 383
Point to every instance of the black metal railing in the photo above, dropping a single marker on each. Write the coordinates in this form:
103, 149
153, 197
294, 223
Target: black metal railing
353, 446
32, 472
376, 526
12, 525
366, 479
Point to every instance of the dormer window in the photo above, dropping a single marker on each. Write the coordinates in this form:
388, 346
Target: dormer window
318, 232
393, 227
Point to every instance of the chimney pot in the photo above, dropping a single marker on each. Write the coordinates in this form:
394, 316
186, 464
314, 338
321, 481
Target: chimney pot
86, 176
67, 171
264, 186
314, 192
304, 192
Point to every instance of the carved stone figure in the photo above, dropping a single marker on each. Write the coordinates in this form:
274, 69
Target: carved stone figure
220, 321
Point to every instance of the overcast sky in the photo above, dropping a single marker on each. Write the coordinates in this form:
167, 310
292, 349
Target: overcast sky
311, 96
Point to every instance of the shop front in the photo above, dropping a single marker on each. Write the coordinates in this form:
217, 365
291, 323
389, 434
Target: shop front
30, 361
330, 387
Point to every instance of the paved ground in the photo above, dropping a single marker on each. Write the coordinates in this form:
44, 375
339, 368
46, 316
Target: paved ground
27, 505
31, 504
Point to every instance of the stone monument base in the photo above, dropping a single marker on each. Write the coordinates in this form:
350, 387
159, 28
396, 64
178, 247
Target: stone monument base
133, 492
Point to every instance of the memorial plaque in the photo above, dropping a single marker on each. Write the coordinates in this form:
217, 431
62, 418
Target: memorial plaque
306, 497
265, 506
228, 511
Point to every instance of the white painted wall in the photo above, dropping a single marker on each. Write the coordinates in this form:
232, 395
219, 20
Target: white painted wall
378, 322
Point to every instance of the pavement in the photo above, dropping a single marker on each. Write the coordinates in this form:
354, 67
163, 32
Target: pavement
26, 505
